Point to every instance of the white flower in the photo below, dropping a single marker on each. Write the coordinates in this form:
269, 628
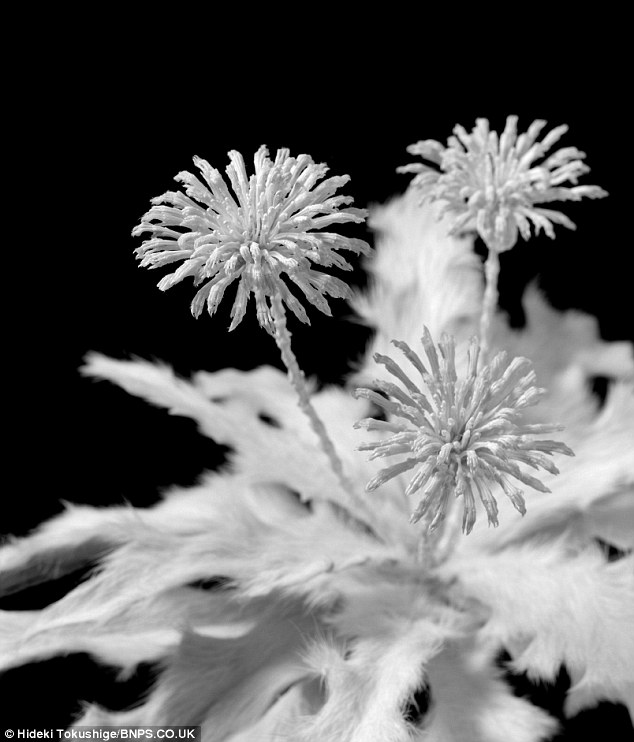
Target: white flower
464, 436
493, 184
264, 229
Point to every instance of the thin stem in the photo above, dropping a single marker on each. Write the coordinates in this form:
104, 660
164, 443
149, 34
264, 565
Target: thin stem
435, 546
451, 533
298, 380
490, 301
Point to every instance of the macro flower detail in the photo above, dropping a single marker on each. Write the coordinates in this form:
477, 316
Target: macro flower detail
493, 183
462, 437
264, 229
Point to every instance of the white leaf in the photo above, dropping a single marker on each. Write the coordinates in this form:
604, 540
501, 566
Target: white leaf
551, 606
470, 702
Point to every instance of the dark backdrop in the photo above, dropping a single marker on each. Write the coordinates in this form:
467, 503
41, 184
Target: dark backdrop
97, 139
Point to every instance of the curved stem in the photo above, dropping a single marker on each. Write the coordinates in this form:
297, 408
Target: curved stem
490, 301
298, 380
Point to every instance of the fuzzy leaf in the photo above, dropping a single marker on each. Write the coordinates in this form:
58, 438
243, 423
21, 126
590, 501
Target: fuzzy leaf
261, 452
550, 606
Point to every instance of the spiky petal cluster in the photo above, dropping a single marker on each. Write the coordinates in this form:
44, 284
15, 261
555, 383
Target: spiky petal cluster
462, 436
493, 183
253, 235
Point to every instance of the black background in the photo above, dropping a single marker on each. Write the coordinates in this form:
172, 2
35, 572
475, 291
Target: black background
99, 132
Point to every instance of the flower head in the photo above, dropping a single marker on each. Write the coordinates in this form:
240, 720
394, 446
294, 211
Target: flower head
254, 233
463, 436
493, 183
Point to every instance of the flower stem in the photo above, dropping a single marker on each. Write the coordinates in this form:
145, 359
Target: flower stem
434, 547
490, 301
298, 380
